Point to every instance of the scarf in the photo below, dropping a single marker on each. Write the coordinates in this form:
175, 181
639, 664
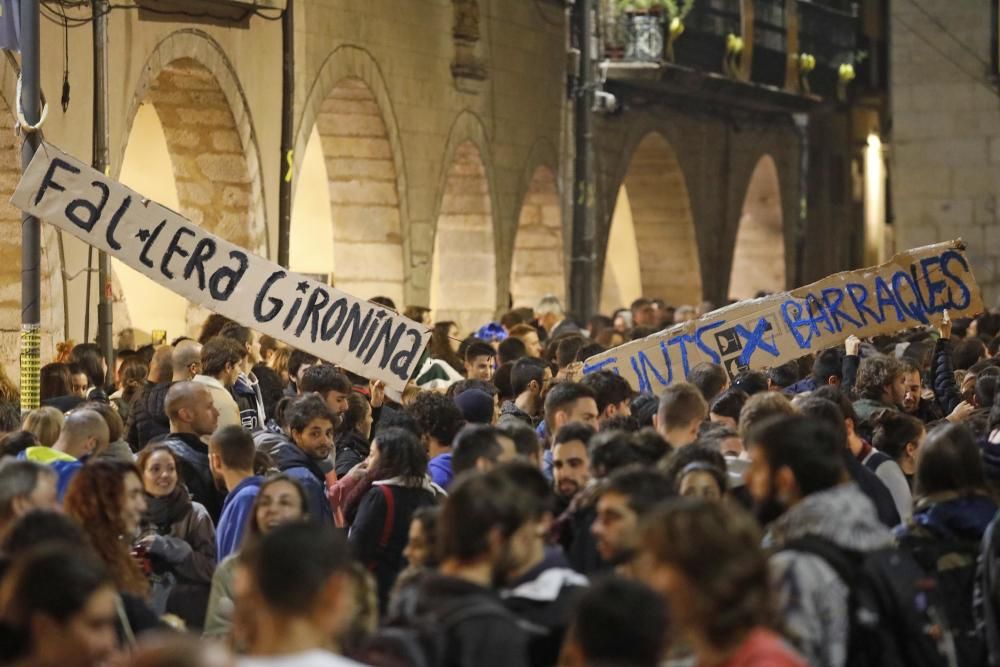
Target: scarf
164, 511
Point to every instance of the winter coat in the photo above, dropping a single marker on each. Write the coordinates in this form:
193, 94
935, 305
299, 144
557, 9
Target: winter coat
291, 460
219, 615
236, 512
148, 417
352, 449
381, 527
876, 490
484, 640
865, 409
545, 596
246, 392
222, 398
946, 391
182, 552
812, 600
891, 475
510, 410
194, 471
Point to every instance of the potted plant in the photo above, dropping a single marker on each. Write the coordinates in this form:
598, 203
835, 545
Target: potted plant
651, 26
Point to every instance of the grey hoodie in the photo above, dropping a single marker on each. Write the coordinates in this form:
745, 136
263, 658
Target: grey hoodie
811, 598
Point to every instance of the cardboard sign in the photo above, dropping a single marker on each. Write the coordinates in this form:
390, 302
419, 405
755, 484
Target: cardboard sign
361, 337
911, 289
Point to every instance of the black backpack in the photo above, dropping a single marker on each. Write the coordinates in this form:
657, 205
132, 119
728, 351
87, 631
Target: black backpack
952, 562
895, 618
987, 592
424, 639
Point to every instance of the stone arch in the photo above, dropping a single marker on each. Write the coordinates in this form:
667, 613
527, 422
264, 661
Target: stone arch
657, 196
53, 316
364, 204
463, 272
538, 266
214, 156
759, 250
350, 71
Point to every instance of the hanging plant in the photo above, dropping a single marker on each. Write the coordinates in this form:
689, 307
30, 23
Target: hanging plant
676, 13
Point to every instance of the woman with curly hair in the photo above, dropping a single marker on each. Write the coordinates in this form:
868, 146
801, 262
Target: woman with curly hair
107, 499
705, 559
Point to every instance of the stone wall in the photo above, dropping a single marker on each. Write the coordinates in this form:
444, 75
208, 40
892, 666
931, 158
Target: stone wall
945, 143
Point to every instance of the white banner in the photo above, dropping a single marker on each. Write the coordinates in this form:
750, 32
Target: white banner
361, 337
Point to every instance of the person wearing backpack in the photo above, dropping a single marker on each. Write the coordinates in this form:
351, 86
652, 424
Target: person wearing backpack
400, 487
454, 617
828, 546
944, 536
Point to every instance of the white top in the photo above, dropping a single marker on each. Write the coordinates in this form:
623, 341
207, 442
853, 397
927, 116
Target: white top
314, 658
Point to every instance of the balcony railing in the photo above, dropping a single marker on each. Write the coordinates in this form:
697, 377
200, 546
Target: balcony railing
799, 46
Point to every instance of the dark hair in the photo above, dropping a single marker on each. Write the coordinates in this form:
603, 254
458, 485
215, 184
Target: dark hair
564, 394
573, 431
427, 516
56, 580
874, 374
219, 351
357, 407
967, 352
237, 332
212, 327
752, 382
313, 551
621, 423
472, 443
950, 460
235, 447
568, 349
54, 381
893, 430
713, 436
462, 386
838, 397
809, 447
608, 630
609, 451
609, 389
530, 480
476, 505
90, 358
829, 363
16, 442
650, 445
39, 527
674, 465
828, 412
479, 349
729, 403
397, 419
644, 488
501, 380
436, 416
253, 532
324, 378
511, 349
304, 409
525, 439
401, 454
590, 350
297, 359
440, 347
10, 417
524, 372
271, 387
784, 375
716, 546
709, 378
680, 404
986, 386
644, 407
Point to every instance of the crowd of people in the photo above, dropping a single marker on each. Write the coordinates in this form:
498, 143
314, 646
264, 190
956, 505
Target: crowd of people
231, 501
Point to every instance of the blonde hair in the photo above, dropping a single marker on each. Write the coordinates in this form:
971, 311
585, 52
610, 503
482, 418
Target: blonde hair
46, 423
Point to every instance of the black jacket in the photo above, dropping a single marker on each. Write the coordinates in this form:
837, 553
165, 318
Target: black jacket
352, 449
946, 391
484, 639
374, 521
194, 471
148, 418
545, 597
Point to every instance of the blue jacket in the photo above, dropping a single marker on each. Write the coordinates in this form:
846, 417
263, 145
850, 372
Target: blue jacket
64, 465
235, 515
296, 464
439, 468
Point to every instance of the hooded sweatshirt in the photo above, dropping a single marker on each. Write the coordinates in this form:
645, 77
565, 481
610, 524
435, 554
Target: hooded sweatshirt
64, 465
291, 460
811, 598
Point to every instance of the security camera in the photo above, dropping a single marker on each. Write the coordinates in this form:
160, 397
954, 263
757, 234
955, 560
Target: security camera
605, 102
